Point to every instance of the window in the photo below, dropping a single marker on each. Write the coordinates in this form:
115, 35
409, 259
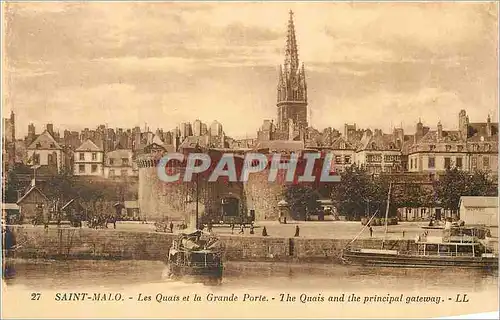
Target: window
411, 163
459, 162
125, 161
447, 163
432, 147
38, 145
36, 159
338, 159
123, 172
431, 162
81, 168
474, 163
111, 172
52, 145
460, 148
111, 161
93, 168
486, 162
81, 156
448, 147
347, 159
94, 156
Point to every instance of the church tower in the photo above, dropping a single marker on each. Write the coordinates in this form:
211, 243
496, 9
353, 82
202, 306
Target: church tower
292, 88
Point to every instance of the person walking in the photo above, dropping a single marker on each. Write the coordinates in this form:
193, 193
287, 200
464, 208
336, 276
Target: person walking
297, 231
242, 230
171, 227
251, 229
232, 228
371, 231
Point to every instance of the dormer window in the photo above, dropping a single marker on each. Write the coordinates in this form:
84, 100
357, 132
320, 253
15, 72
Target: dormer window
52, 145
460, 148
448, 147
38, 145
432, 147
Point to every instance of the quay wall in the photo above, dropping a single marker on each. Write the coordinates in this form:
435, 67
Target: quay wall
84, 243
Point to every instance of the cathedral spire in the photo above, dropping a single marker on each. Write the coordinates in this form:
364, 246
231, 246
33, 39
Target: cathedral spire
291, 53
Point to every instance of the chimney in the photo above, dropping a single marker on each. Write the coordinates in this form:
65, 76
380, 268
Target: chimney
488, 126
439, 131
50, 129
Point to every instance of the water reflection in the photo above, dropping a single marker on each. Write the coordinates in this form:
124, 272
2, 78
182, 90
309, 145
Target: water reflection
112, 274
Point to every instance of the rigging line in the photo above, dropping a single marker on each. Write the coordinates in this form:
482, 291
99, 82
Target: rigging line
364, 227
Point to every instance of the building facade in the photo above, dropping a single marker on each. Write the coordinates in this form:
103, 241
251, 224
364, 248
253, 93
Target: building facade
474, 146
45, 151
88, 159
120, 164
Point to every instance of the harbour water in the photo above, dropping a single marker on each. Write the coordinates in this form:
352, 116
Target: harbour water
272, 279
76, 274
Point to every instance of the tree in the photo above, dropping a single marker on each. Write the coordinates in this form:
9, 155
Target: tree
352, 193
456, 183
302, 200
12, 185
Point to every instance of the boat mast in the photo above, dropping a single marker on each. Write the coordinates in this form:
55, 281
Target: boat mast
198, 149
387, 213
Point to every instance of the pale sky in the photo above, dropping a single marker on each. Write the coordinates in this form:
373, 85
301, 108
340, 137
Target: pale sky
126, 64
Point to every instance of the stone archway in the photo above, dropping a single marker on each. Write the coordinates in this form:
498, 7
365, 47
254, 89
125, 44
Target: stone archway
230, 205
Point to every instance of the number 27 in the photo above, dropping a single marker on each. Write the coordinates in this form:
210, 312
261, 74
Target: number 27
35, 296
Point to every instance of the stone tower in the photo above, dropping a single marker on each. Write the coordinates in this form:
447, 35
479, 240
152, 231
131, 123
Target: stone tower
292, 88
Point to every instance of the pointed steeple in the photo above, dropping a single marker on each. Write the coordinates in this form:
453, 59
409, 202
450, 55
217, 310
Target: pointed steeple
291, 88
291, 53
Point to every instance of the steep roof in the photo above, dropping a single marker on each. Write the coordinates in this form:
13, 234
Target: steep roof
45, 141
32, 189
192, 141
479, 202
88, 145
447, 136
479, 132
378, 142
337, 144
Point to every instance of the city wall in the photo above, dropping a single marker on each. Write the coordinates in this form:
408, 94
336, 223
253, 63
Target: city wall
84, 243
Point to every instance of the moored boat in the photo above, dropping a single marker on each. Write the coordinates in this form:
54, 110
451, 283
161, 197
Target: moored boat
196, 254
431, 251
457, 246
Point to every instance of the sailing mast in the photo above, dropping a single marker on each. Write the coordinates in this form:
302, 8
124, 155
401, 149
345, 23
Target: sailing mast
387, 213
198, 149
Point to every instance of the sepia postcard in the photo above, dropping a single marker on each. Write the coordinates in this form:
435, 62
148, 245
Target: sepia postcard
209, 160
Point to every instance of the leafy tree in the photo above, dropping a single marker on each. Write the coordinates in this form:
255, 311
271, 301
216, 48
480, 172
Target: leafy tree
456, 183
12, 185
352, 194
302, 199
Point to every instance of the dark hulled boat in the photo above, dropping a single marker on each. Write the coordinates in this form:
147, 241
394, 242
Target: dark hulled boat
455, 246
457, 251
197, 255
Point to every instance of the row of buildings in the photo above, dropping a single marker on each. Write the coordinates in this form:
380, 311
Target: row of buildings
103, 152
